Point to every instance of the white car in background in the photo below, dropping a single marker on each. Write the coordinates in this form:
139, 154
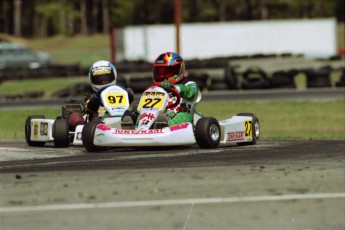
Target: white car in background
14, 56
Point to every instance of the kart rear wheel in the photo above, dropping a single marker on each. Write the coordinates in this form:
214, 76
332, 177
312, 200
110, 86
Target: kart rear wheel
88, 135
61, 133
28, 131
207, 132
255, 129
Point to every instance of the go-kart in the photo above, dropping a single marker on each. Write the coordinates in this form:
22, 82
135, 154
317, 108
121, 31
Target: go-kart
207, 132
39, 130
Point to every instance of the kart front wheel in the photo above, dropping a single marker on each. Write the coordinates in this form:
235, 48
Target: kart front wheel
207, 132
28, 131
254, 129
61, 133
88, 135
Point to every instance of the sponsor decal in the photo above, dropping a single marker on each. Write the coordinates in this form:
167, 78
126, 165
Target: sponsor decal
160, 62
103, 127
149, 116
101, 70
154, 94
233, 136
35, 130
150, 131
178, 127
44, 128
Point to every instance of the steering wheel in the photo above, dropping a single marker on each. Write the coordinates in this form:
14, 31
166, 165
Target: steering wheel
174, 93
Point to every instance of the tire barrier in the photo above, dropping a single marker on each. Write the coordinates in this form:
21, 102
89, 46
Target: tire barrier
224, 73
133, 66
27, 95
211, 63
200, 79
255, 78
217, 84
319, 78
75, 90
231, 78
121, 80
139, 84
283, 79
341, 82
51, 71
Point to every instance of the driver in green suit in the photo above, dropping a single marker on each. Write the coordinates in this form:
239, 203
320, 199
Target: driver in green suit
168, 72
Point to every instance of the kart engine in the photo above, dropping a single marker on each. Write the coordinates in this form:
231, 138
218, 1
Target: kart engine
71, 106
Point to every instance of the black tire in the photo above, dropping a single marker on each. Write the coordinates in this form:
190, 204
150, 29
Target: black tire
88, 135
283, 79
341, 82
139, 84
28, 131
231, 78
218, 84
318, 78
61, 133
255, 78
199, 79
207, 132
255, 128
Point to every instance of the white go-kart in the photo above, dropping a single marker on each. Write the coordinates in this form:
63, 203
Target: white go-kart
206, 132
39, 130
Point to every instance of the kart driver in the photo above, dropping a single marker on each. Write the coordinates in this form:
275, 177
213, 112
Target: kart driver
169, 71
101, 75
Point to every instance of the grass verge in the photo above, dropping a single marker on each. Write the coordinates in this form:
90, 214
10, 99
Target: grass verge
288, 120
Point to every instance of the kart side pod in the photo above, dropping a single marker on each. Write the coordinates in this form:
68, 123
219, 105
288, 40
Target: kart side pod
242, 129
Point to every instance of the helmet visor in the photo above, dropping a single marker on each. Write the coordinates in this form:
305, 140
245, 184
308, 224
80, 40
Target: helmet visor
102, 79
102, 76
160, 73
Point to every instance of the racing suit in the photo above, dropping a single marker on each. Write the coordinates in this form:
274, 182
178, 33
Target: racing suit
189, 93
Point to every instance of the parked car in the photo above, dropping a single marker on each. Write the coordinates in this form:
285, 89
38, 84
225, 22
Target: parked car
19, 56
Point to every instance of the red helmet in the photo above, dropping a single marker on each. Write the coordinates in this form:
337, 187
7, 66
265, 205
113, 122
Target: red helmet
169, 66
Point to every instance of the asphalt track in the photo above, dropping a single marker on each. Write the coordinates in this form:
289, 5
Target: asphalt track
271, 185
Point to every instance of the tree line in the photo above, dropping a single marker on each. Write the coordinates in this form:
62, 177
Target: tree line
43, 18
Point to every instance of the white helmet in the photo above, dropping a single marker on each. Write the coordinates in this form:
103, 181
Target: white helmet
102, 73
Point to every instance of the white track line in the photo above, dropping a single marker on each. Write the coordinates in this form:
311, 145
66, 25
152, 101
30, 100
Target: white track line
147, 203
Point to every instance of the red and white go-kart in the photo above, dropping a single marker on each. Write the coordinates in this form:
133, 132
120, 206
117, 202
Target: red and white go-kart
206, 132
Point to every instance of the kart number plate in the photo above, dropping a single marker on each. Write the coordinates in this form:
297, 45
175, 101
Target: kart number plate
153, 100
248, 129
116, 99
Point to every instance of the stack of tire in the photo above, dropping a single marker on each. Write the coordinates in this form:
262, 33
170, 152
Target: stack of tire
319, 78
341, 82
283, 79
231, 77
139, 83
255, 78
228, 82
199, 79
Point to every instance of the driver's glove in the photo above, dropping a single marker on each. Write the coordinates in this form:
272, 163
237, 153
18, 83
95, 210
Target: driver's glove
166, 85
95, 100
